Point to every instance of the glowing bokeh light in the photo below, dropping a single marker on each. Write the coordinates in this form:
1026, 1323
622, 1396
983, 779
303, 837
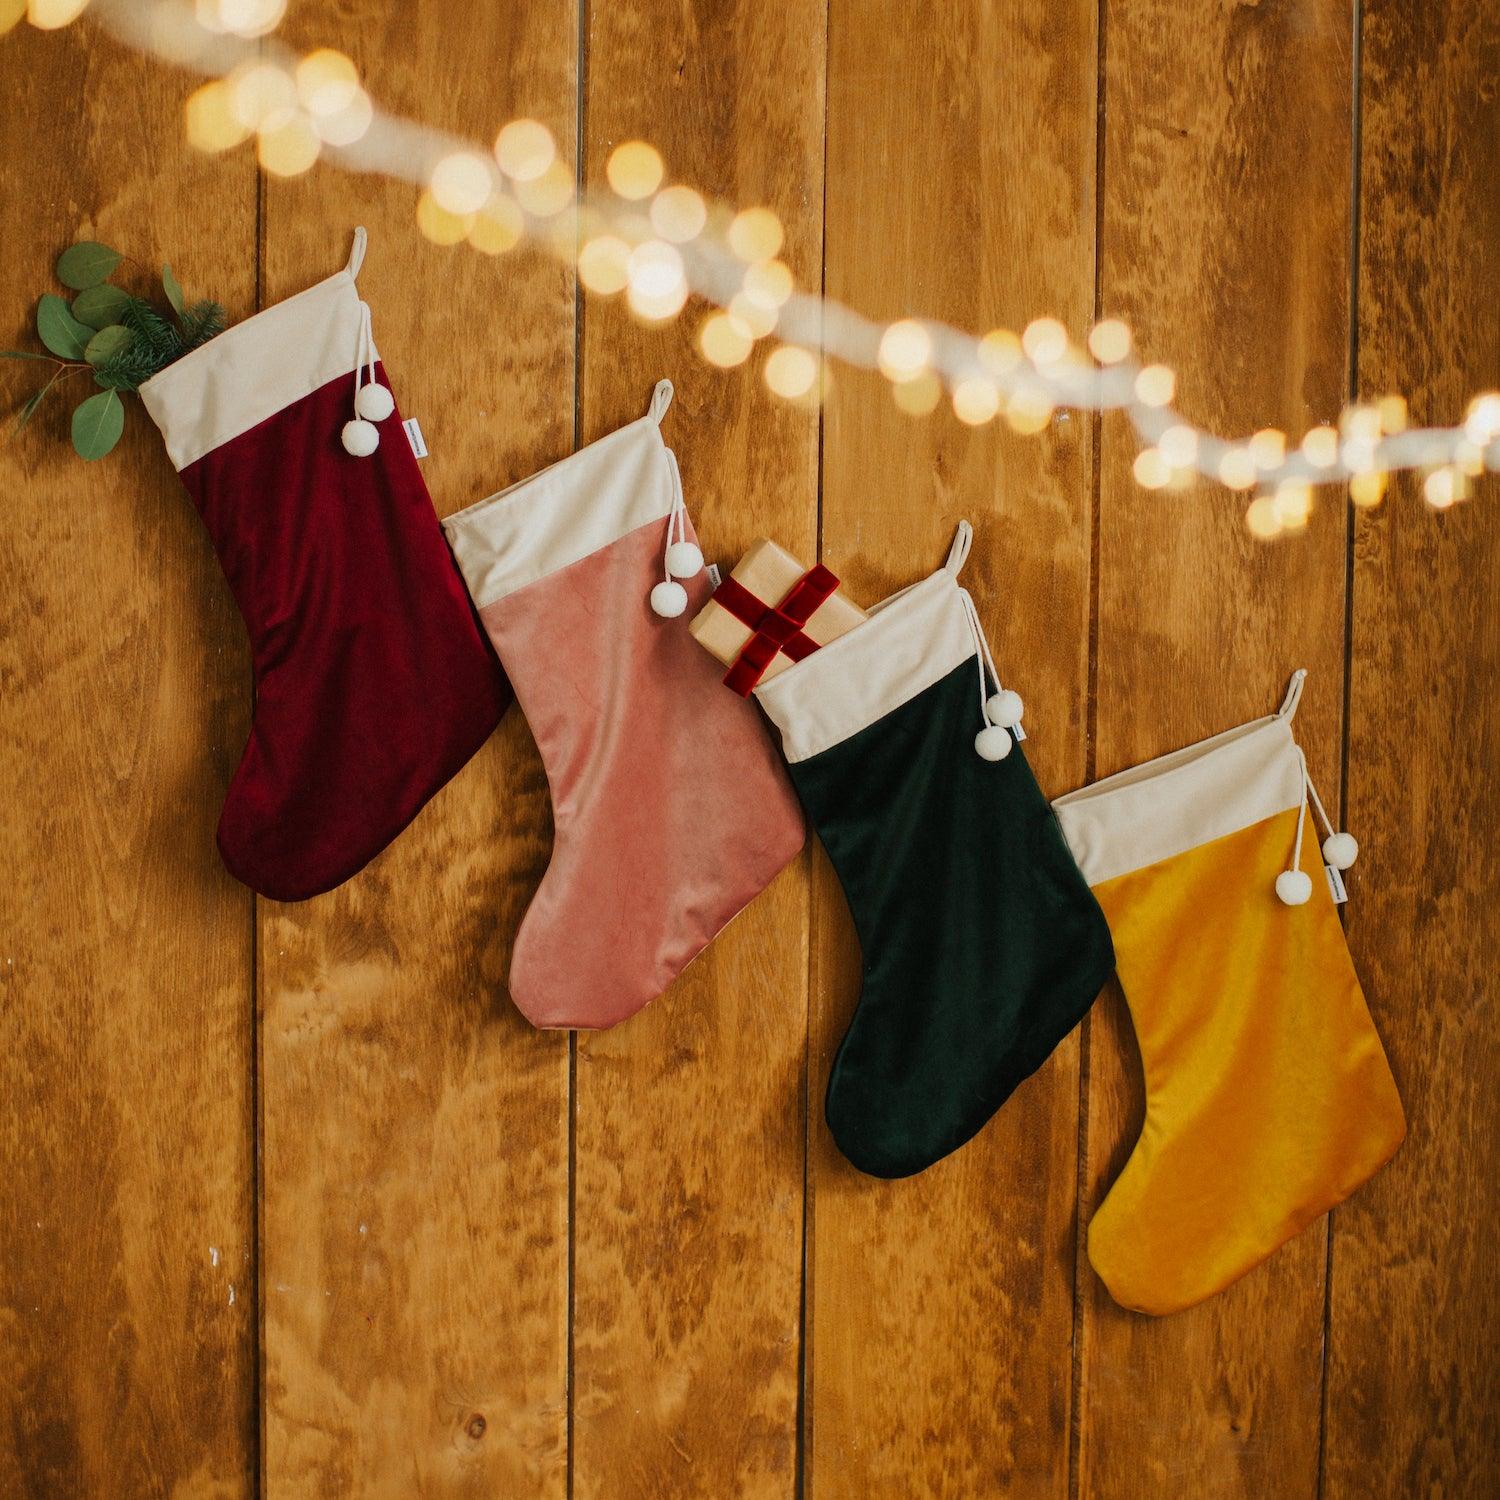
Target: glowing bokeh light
327, 83
755, 234
1262, 518
678, 214
919, 396
975, 400
547, 194
1293, 501
49, 15
657, 282
1237, 469
1392, 410
1029, 410
1368, 489
210, 119
1267, 448
498, 226
1109, 341
1000, 351
1179, 445
262, 96
440, 226
724, 340
905, 348
757, 318
1045, 341
1440, 488
790, 372
348, 125
1320, 446
769, 283
246, 18
1482, 420
604, 264
1155, 386
1152, 469
525, 149
462, 182
635, 170
290, 148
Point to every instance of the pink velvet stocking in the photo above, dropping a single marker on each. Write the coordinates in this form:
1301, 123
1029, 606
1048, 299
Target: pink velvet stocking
671, 810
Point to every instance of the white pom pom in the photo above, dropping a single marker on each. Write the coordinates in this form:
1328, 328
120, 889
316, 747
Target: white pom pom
1340, 850
1005, 709
992, 742
669, 600
360, 438
374, 403
684, 560
1294, 887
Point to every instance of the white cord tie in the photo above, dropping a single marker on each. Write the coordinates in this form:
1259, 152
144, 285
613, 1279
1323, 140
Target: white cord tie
372, 401
680, 557
1340, 850
1000, 710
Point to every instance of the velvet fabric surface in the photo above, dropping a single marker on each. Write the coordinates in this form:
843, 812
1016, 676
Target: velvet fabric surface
982, 945
1268, 1095
373, 681
671, 810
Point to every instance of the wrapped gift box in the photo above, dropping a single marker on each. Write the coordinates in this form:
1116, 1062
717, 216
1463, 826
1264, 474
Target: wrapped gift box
771, 612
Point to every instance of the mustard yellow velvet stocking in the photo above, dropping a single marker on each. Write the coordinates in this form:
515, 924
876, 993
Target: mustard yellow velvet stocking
1268, 1094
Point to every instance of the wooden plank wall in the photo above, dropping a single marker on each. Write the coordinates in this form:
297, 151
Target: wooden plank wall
293, 1204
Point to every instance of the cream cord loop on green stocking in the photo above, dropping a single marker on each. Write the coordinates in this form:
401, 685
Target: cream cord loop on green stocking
1001, 710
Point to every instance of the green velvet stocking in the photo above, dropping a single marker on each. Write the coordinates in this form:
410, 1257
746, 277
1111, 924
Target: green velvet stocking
982, 945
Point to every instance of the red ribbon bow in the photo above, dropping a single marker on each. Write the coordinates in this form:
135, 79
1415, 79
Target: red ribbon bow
773, 627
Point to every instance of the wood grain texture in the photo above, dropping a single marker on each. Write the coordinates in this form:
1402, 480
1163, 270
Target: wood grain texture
748, 1316
941, 1306
1413, 1398
414, 1129
688, 1204
127, 1291
1227, 247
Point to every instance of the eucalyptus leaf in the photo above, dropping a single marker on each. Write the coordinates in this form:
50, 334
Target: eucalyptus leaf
100, 305
97, 424
23, 354
35, 400
59, 330
173, 290
107, 343
86, 264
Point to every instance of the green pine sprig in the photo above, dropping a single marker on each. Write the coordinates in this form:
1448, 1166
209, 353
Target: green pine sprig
121, 339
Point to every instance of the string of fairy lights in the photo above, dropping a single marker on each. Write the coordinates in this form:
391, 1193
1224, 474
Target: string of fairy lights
657, 243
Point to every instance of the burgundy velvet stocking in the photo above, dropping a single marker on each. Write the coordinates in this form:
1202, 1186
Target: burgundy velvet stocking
373, 681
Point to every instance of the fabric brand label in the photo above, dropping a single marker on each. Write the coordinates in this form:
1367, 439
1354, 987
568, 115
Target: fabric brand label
713, 574
1336, 885
414, 437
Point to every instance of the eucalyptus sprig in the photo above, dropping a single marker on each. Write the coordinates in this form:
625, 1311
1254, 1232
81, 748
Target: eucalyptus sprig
121, 339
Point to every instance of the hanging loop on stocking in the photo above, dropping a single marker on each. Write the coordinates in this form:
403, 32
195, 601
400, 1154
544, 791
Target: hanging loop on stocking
1340, 850
372, 401
680, 557
1001, 710
357, 252
958, 553
1293, 694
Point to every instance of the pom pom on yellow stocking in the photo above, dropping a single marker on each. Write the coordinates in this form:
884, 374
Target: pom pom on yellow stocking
1268, 1095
